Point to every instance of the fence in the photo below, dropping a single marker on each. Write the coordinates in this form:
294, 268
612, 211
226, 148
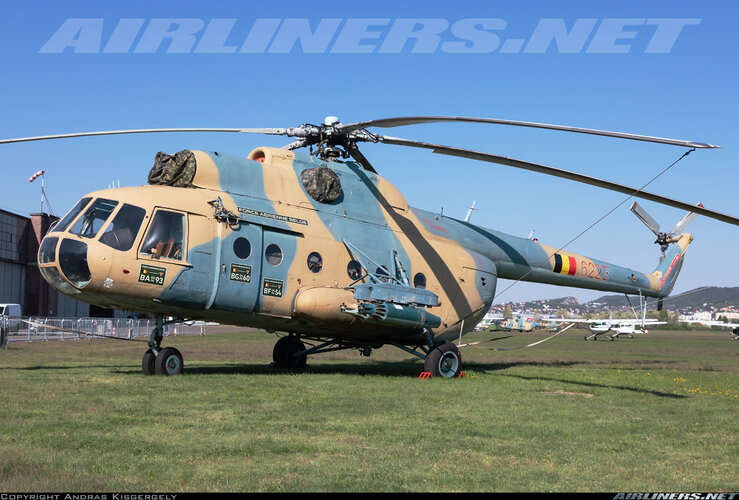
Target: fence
40, 329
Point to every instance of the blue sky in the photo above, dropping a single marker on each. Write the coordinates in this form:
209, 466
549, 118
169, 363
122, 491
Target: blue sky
607, 81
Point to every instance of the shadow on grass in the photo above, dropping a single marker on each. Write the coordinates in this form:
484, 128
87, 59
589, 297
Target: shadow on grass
410, 369
405, 369
593, 384
65, 367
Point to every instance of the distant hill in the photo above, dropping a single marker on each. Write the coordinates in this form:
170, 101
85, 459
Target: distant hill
700, 298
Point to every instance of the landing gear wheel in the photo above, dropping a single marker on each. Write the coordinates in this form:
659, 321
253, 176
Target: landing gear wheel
284, 353
443, 361
168, 362
147, 364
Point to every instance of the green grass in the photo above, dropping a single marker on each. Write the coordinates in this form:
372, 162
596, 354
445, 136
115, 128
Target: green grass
654, 413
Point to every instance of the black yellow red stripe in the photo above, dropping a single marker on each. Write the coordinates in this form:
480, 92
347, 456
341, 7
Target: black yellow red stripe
564, 264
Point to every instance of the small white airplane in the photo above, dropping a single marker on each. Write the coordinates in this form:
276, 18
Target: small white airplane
621, 327
734, 326
618, 326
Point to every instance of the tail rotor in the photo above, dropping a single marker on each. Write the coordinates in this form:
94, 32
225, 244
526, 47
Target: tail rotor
664, 239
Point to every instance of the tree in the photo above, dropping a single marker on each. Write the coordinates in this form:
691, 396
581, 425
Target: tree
663, 316
507, 313
563, 313
673, 317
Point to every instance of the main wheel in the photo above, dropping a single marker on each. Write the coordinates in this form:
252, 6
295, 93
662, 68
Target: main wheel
147, 364
168, 362
284, 353
443, 361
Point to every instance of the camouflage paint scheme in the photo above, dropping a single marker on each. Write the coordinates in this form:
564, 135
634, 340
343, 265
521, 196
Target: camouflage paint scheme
267, 204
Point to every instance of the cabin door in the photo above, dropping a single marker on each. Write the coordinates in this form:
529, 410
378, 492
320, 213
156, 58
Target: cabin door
240, 266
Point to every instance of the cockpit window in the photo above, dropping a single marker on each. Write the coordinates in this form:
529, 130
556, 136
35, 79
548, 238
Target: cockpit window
166, 236
72, 215
121, 233
94, 218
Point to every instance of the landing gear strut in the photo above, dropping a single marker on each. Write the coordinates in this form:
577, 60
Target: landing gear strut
158, 361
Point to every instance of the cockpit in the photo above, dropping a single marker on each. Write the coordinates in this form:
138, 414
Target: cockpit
64, 255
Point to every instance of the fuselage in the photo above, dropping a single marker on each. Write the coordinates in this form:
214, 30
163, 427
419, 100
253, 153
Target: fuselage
248, 243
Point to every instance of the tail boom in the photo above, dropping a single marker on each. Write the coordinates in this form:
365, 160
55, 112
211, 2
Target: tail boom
526, 260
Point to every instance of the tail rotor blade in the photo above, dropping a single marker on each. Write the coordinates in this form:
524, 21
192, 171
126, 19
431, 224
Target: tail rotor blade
685, 222
643, 216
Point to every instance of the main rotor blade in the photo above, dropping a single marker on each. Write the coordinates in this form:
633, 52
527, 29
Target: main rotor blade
643, 216
414, 120
556, 172
268, 131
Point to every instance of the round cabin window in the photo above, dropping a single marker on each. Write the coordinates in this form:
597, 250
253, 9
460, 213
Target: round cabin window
315, 262
354, 270
273, 254
419, 280
242, 248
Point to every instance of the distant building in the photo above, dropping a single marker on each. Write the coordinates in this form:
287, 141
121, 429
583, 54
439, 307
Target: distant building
20, 279
697, 316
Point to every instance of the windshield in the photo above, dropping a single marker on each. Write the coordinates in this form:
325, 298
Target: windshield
122, 232
62, 225
94, 218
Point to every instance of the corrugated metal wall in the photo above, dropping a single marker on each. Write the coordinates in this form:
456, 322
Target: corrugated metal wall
12, 282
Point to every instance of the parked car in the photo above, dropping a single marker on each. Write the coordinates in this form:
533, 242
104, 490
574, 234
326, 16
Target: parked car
11, 316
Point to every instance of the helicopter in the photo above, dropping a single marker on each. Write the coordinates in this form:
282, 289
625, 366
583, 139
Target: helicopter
317, 246
521, 324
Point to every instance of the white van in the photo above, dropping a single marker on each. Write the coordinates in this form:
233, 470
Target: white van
11, 316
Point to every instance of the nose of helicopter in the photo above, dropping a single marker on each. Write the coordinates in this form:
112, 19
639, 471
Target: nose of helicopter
73, 262
71, 265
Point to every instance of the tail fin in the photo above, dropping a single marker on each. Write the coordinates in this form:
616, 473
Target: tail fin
610, 320
667, 270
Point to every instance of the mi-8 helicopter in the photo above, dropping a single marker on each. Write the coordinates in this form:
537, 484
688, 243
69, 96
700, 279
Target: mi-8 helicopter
318, 246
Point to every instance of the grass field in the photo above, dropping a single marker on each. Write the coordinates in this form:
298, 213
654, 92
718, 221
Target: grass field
654, 413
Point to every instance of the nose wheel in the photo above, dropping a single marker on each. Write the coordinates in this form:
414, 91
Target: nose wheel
168, 362
158, 361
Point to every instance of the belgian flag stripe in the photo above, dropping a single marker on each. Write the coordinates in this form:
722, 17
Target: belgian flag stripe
565, 265
573, 266
557, 263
